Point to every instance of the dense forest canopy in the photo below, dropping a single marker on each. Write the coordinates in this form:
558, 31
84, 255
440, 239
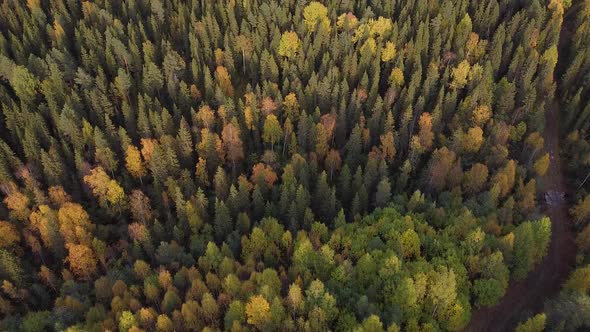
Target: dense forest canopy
267, 165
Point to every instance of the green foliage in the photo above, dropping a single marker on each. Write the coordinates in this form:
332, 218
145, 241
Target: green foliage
533, 324
193, 159
10, 267
488, 292
530, 245
127, 321
36, 321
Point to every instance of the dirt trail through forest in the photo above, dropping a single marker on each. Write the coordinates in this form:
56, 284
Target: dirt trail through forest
525, 298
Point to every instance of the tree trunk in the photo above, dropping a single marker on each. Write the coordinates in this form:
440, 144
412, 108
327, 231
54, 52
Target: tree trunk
586, 178
244, 61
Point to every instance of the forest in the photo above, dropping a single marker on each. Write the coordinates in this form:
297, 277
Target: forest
289, 165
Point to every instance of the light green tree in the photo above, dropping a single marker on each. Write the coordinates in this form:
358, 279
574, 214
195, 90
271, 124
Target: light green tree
289, 44
316, 12
272, 130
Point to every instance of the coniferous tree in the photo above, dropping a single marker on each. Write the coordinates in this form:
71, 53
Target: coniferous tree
136, 136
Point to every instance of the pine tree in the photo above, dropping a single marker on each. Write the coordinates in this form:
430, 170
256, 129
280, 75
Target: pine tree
24, 84
201, 173
185, 142
153, 80
323, 201
221, 184
383, 195
222, 224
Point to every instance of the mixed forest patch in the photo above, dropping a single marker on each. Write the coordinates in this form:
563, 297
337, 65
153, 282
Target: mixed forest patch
274, 165
569, 310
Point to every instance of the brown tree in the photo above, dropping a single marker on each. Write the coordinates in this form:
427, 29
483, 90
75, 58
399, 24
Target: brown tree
475, 178
441, 164
9, 235
333, 162
147, 148
388, 146
17, 202
262, 173
140, 207
426, 136
233, 144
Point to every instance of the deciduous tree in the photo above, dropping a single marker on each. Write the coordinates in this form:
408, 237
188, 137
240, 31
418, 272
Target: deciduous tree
289, 44
134, 163
82, 260
232, 143
272, 131
315, 13
258, 311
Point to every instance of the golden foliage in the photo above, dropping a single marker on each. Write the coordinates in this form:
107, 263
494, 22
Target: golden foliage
82, 260
108, 191
388, 146
316, 12
74, 224
147, 148
134, 163
17, 202
460, 75
388, 52
426, 135
473, 139
224, 80
481, 115
258, 311
289, 44
58, 196
396, 78
9, 235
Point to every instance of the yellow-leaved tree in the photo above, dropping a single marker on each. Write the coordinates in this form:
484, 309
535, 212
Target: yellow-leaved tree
289, 44
258, 311
315, 13
109, 193
74, 224
82, 260
134, 163
388, 52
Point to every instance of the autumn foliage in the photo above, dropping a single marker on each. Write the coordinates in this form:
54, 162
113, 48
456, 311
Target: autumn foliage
280, 165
